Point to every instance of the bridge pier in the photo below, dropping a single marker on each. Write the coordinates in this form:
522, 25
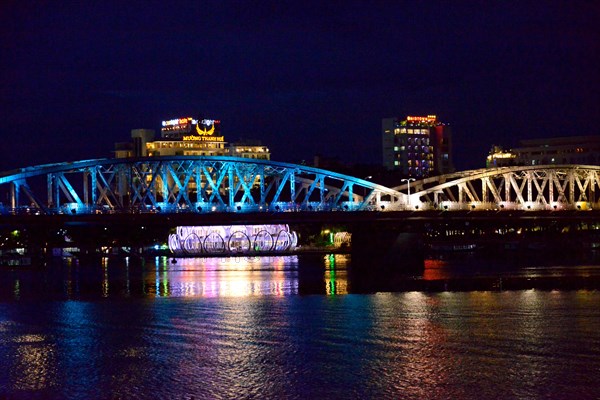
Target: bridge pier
393, 248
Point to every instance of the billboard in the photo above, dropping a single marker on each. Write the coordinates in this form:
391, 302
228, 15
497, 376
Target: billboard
190, 129
430, 119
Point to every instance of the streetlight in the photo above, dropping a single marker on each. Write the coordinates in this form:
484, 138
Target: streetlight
407, 180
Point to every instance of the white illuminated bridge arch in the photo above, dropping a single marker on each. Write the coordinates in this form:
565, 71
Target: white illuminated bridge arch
546, 187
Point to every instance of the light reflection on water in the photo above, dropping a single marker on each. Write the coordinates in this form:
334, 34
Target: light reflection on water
331, 274
179, 277
336, 274
456, 266
513, 344
34, 362
222, 277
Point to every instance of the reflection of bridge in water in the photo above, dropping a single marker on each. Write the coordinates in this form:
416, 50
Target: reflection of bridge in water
208, 185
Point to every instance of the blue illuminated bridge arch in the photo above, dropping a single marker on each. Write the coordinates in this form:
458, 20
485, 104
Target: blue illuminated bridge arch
178, 184
188, 184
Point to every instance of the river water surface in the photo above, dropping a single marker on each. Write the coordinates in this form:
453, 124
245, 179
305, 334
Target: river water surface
294, 328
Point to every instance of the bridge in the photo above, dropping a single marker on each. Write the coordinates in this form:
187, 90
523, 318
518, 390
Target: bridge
181, 184
138, 202
224, 185
188, 184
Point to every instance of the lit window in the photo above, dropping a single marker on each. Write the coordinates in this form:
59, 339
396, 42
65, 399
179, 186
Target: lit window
396, 163
395, 148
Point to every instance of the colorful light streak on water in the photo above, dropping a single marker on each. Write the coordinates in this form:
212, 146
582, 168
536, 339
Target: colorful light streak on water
223, 277
336, 274
250, 328
516, 344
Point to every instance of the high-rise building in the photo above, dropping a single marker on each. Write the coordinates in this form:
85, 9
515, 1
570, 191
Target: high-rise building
417, 146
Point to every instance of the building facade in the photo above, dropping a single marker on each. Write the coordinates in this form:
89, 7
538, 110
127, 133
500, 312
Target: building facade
188, 137
417, 146
584, 150
249, 149
498, 157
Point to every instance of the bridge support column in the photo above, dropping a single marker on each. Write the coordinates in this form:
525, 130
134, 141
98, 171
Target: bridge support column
86, 189
14, 194
388, 248
94, 184
551, 189
231, 185
571, 188
54, 190
50, 202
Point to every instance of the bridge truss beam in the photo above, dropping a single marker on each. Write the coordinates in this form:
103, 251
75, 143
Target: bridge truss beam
229, 184
547, 187
190, 184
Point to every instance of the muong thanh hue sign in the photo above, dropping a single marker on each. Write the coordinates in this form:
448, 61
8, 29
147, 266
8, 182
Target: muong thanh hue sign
204, 138
206, 131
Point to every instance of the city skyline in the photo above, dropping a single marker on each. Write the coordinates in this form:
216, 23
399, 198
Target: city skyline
303, 79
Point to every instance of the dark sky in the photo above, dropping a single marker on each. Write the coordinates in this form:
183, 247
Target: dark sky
305, 77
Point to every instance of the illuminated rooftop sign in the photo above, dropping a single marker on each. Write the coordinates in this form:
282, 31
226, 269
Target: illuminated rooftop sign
175, 128
177, 121
189, 120
430, 119
207, 127
190, 129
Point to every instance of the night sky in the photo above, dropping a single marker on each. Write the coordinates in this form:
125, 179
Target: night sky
304, 77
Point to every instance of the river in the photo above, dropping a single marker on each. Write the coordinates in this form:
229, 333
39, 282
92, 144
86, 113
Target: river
299, 327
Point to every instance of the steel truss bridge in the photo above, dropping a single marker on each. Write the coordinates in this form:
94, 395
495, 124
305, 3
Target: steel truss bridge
544, 187
180, 184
